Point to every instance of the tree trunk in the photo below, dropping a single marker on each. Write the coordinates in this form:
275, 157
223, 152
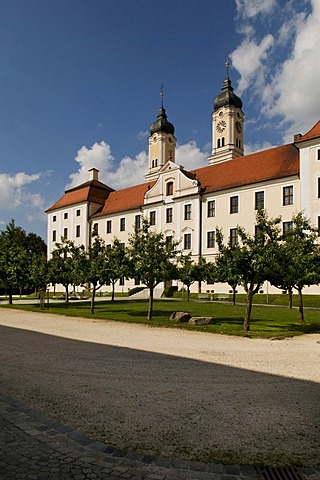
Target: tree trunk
246, 323
301, 305
234, 295
112, 293
150, 308
290, 297
188, 293
10, 296
92, 300
67, 293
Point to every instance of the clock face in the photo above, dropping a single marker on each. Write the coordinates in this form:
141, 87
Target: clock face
238, 127
221, 125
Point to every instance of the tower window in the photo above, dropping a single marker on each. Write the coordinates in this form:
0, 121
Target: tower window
222, 142
219, 144
170, 188
154, 163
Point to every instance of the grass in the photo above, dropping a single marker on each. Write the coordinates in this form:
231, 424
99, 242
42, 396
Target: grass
266, 322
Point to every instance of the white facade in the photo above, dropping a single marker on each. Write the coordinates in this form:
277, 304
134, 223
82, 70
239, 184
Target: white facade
189, 206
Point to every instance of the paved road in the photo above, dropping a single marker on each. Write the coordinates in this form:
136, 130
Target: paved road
33, 446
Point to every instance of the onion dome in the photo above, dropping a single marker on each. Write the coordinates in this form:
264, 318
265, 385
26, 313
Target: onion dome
161, 124
227, 97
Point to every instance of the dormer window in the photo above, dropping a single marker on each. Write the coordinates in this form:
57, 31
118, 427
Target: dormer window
169, 188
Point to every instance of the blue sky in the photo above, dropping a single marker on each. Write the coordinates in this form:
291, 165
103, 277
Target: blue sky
80, 83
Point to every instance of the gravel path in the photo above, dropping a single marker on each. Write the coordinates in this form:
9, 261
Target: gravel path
174, 393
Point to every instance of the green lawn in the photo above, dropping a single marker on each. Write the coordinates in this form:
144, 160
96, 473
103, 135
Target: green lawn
266, 321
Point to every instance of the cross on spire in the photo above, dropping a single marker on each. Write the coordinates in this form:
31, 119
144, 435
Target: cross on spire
161, 94
227, 64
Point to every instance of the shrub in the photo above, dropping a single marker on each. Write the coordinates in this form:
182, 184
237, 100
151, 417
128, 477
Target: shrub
170, 291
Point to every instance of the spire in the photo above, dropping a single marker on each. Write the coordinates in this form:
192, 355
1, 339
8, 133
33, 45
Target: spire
161, 124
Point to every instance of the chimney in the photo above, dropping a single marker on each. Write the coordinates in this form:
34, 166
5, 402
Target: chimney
93, 174
296, 137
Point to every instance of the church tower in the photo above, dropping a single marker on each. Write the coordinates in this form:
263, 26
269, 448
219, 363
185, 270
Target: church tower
162, 143
227, 125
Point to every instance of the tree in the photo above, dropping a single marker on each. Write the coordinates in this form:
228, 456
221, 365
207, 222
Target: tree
189, 272
298, 259
151, 259
95, 267
14, 258
64, 265
117, 263
253, 258
227, 264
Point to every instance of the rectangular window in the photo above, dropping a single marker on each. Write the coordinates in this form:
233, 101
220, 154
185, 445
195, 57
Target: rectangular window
288, 195
318, 156
109, 226
122, 224
318, 187
54, 218
65, 215
95, 229
211, 239
137, 222
187, 212
170, 188
211, 208
77, 231
65, 233
169, 241
234, 204
152, 218
287, 227
78, 212
187, 241
169, 215
54, 235
233, 239
259, 200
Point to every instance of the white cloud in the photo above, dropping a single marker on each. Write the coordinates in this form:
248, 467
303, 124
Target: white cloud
248, 59
13, 192
257, 147
190, 156
294, 93
98, 156
130, 171
252, 8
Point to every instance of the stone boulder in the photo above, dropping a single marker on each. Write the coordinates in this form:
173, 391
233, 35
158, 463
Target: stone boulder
202, 321
180, 317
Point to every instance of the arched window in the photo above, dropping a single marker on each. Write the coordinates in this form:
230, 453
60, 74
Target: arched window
218, 142
170, 188
222, 142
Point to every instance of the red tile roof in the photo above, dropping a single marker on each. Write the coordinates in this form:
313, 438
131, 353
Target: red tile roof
258, 167
278, 162
92, 191
126, 199
313, 133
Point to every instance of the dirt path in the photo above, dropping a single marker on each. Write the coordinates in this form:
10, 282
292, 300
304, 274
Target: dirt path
176, 393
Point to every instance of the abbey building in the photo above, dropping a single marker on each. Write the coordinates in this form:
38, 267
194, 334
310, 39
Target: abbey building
188, 206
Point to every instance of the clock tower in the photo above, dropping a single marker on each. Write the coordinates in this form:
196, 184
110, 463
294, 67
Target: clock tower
227, 125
